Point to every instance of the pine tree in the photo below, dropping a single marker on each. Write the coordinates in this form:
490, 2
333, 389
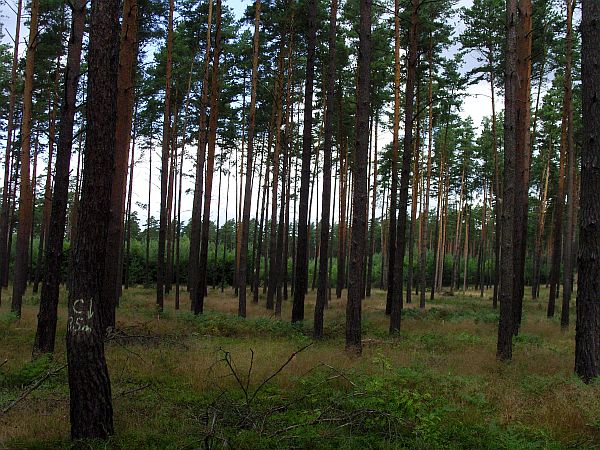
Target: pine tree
47, 317
92, 415
356, 288
587, 337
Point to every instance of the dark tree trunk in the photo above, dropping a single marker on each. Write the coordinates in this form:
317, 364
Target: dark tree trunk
278, 106
125, 93
373, 209
571, 201
45, 336
356, 287
26, 194
196, 220
396, 311
47, 204
395, 150
259, 245
5, 213
89, 383
199, 289
587, 338
507, 266
301, 275
243, 255
164, 174
416, 181
322, 290
280, 259
148, 215
523, 159
341, 253
425, 212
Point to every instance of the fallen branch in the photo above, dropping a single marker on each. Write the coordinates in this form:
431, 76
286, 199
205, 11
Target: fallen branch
278, 371
32, 388
131, 391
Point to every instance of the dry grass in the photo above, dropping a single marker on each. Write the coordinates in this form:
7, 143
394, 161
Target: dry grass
451, 348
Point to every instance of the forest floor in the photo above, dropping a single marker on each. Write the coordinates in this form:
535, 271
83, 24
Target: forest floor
217, 381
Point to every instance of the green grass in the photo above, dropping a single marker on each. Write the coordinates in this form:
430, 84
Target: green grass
214, 381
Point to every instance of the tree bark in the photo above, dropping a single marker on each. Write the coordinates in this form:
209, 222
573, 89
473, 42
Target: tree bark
507, 266
4, 217
301, 275
47, 204
322, 289
396, 312
45, 336
164, 174
200, 160
25, 192
89, 384
356, 269
373, 208
571, 200
125, 94
587, 337
243, 255
523, 153
395, 149
199, 289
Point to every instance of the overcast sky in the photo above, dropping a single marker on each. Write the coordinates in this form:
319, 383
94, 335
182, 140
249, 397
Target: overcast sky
476, 104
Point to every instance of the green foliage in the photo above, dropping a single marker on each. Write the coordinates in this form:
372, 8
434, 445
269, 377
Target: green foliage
27, 374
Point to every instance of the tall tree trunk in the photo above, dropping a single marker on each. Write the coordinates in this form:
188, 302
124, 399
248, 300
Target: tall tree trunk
222, 274
571, 200
164, 174
537, 257
395, 316
91, 415
217, 223
497, 189
243, 255
127, 259
425, 212
466, 249
148, 216
373, 208
458, 233
279, 260
125, 94
278, 105
199, 289
4, 217
200, 160
322, 289
416, 179
524, 44
481, 256
170, 197
47, 204
36, 153
341, 253
301, 275
25, 193
587, 337
329, 284
265, 201
509, 212
45, 335
256, 211
395, 150
356, 287
557, 231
